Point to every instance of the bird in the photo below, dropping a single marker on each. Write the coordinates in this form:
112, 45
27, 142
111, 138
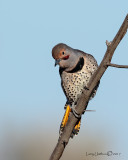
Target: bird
75, 68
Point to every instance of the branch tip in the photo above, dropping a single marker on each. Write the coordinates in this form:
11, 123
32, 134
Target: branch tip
108, 43
117, 65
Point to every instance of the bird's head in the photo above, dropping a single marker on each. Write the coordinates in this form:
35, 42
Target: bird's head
65, 56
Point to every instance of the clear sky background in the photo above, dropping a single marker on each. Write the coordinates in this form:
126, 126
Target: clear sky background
31, 98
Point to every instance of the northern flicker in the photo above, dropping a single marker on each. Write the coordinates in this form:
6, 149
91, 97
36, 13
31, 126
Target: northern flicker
76, 69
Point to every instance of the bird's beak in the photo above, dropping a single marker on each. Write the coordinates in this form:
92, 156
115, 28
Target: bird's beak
57, 62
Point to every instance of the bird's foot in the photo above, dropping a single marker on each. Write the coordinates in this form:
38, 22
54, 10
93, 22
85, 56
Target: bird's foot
77, 115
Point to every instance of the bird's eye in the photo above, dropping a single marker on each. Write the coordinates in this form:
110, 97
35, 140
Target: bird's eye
63, 53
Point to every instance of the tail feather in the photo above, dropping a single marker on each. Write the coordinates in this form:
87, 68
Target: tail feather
64, 122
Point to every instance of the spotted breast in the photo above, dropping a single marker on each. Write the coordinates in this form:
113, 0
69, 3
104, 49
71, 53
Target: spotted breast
74, 81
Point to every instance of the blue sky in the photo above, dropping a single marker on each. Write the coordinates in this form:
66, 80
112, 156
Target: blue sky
30, 91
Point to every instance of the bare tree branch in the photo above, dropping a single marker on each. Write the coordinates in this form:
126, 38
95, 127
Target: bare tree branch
108, 43
84, 98
117, 66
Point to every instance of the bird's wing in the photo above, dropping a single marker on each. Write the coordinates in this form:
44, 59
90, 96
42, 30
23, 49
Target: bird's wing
91, 63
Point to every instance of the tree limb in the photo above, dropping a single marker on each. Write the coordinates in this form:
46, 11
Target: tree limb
117, 66
84, 98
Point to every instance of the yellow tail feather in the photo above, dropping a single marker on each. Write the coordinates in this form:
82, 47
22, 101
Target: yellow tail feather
66, 115
64, 122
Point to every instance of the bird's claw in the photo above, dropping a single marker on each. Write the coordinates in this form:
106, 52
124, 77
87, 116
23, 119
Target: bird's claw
77, 115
